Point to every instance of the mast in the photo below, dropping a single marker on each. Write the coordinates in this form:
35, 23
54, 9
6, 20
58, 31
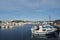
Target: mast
49, 19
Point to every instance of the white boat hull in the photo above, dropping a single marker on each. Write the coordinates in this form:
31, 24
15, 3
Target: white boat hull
40, 32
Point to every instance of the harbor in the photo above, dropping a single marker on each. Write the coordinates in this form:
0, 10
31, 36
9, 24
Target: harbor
24, 33
30, 30
29, 19
22, 30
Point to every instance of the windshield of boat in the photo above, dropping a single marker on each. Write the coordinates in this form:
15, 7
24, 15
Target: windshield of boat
47, 26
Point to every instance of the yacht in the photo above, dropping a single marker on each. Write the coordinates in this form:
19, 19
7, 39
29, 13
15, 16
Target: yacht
43, 29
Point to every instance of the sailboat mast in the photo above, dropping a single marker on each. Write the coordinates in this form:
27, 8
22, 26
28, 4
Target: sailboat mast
49, 19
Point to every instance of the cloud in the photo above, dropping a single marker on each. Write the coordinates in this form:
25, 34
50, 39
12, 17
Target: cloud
16, 4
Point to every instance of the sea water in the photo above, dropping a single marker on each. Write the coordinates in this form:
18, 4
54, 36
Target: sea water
23, 33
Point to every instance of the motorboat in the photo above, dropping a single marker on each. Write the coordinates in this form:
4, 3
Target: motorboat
43, 29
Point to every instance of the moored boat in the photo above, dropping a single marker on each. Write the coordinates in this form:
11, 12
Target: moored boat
43, 29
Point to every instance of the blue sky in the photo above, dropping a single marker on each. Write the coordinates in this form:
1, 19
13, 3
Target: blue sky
29, 9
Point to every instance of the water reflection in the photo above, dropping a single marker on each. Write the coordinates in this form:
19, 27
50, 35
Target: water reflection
45, 37
53, 35
38, 36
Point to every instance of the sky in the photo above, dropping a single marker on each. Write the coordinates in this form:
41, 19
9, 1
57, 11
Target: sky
33, 10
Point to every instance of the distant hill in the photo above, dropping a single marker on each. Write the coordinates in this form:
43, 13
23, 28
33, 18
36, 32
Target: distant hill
17, 21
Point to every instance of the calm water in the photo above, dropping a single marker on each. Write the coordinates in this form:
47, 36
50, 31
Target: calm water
23, 33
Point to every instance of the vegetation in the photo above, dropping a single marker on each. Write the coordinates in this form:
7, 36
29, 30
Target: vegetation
17, 21
57, 22
0, 21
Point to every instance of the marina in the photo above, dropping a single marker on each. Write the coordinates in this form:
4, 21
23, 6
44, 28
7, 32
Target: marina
29, 30
24, 33
29, 19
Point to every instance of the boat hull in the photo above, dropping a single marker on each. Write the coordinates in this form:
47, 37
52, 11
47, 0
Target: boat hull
43, 32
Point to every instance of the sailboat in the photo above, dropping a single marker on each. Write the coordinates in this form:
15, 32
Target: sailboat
43, 29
